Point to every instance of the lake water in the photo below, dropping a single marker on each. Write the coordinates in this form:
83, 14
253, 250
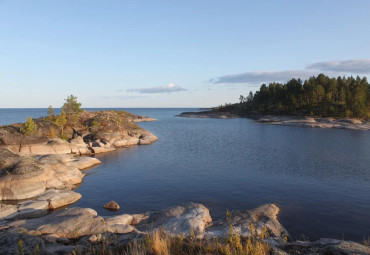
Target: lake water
320, 178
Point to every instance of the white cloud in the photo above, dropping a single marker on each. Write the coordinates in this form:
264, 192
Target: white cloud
161, 89
263, 76
359, 66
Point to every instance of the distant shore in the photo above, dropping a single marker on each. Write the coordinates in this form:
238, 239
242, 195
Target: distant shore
296, 121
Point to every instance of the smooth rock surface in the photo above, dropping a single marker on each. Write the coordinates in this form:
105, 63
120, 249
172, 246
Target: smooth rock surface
59, 198
259, 218
176, 220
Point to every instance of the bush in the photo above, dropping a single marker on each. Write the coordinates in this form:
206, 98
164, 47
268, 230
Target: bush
29, 128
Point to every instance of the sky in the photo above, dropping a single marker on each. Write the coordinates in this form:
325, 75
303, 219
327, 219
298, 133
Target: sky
193, 53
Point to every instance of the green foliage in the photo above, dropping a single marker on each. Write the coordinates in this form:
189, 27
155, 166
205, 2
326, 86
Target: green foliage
320, 96
51, 111
71, 108
61, 120
29, 128
63, 136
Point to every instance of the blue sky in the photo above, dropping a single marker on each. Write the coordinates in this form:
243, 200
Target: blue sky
172, 53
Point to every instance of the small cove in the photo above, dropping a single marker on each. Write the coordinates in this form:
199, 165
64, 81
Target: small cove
320, 178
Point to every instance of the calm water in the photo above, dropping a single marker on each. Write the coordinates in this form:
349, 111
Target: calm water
320, 178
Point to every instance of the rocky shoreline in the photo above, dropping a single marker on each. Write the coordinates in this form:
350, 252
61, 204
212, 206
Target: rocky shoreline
79, 229
296, 121
37, 178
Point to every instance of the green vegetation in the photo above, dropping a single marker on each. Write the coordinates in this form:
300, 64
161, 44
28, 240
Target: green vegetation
71, 108
29, 127
317, 96
51, 111
61, 121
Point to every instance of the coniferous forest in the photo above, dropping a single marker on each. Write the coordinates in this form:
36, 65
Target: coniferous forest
316, 96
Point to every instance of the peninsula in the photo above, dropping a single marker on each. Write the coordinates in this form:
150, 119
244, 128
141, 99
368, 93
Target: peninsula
320, 102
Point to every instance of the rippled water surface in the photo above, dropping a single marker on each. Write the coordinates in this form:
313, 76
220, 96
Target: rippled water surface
320, 178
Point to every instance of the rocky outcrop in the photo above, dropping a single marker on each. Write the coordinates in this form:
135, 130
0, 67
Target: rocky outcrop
176, 220
95, 132
71, 223
208, 114
325, 246
296, 121
251, 222
40, 206
311, 122
21, 180
28, 177
138, 119
67, 229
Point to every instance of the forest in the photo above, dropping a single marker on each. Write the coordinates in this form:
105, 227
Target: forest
316, 96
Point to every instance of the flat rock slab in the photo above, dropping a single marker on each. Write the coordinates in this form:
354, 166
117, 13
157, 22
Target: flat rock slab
325, 246
59, 198
311, 122
8, 211
70, 223
84, 162
32, 209
51, 199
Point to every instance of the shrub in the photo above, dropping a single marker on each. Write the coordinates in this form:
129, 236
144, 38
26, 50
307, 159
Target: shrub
29, 128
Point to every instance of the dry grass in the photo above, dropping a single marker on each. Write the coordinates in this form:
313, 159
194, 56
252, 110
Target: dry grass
366, 241
160, 243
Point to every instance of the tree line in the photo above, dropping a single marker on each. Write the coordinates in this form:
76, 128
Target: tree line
316, 96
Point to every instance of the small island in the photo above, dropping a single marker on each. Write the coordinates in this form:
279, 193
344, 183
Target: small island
320, 101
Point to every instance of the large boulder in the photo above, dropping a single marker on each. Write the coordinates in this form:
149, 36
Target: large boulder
24, 179
7, 158
251, 222
176, 220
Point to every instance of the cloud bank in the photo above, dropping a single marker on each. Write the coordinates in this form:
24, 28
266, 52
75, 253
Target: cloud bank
263, 76
331, 68
162, 89
360, 66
